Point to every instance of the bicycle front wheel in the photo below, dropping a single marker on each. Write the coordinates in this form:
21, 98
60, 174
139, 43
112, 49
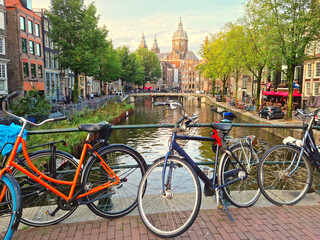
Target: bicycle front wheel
41, 207
282, 179
120, 199
10, 206
241, 193
173, 213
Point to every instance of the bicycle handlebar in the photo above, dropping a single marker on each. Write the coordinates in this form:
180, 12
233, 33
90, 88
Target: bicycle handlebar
300, 111
12, 95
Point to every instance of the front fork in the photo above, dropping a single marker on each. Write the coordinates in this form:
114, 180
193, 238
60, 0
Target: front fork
166, 184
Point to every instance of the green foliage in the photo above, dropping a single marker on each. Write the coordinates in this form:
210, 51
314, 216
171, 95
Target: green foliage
75, 139
31, 103
132, 68
151, 65
78, 38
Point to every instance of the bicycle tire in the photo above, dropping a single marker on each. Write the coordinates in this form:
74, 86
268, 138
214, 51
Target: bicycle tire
246, 192
154, 207
10, 207
275, 185
117, 200
37, 201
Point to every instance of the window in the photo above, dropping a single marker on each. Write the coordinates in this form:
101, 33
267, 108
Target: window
37, 27
2, 20
40, 73
46, 25
308, 71
33, 70
51, 60
39, 49
31, 47
2, 2
307, 88
3, 73
47, 60
24, 45
297, 72
316, 88
30, 27
46, 41
317, 69
22, 24
2, 46
25, 69
56, 63
2, 86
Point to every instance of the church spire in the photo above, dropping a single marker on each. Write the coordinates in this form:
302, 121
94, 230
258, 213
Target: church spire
143, 42
155, 47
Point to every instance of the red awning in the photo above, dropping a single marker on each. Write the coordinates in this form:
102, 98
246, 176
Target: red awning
283, 94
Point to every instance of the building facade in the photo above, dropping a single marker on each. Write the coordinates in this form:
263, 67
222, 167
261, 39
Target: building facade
25, 51
3, 50
53, 84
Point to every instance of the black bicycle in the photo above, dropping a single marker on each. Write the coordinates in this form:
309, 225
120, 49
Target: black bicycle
169, 195
285, 172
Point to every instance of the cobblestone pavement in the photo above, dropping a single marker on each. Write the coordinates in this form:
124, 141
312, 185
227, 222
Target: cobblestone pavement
290, 222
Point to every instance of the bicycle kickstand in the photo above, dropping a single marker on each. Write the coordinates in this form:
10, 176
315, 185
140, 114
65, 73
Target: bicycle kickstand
219, 196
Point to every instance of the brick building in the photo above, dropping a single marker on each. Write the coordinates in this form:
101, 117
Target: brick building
25, 51
3, 50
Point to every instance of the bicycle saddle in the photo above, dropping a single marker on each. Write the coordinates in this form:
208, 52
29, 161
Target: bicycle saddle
222, 126
97, 127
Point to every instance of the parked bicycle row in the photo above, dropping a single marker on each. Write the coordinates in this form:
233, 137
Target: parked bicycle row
44, 187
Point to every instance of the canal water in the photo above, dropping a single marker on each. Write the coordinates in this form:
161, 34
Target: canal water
153, 143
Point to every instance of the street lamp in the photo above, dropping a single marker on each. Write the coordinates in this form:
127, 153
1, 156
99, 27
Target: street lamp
33, 82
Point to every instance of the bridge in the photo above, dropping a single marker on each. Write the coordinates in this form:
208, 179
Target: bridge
181, 96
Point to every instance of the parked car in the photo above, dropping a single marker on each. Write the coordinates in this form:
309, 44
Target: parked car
271, 112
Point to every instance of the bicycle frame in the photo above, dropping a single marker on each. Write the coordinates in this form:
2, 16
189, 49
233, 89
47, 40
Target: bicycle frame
71, 196
174, 146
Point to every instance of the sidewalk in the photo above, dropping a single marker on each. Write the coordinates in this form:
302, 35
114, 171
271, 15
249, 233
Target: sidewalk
294, 222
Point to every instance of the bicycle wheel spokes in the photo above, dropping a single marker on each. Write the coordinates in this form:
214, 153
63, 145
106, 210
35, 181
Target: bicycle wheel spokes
174, 213
242, 193
41, 207
120, 199
5, 211
283, 180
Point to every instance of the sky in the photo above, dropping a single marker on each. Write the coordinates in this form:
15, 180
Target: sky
127, 19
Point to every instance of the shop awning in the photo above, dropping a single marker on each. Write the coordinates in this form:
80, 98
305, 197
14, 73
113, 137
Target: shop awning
282, 94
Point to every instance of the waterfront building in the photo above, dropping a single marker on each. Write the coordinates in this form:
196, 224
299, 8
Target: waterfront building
3, 50
311, 74
53, 84
25, 51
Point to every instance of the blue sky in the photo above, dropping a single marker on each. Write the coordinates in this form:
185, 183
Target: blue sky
126, 19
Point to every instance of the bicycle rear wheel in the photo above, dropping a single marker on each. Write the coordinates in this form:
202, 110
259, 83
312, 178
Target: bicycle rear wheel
41, 207
117, 200
242, 193
170, 215
277, 183
10, 206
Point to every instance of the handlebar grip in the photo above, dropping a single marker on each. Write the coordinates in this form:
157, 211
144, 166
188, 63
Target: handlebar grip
60, 118
161, 103
12, 95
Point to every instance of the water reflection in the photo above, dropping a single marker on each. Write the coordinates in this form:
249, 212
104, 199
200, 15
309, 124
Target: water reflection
153, 143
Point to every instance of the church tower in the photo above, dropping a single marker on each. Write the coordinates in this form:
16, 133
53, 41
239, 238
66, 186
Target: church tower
143, 42
155, 47
180, 41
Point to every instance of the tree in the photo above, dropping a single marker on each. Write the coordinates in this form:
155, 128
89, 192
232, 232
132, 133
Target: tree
290, 26
132, 69
217, 59
151, 66
74, 30
110, 66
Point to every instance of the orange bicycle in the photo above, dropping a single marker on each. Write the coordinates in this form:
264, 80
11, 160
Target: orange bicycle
53, 183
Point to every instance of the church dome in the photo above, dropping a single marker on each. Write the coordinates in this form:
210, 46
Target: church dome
180, 34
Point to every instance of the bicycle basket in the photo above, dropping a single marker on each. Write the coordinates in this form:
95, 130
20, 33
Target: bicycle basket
8, 134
